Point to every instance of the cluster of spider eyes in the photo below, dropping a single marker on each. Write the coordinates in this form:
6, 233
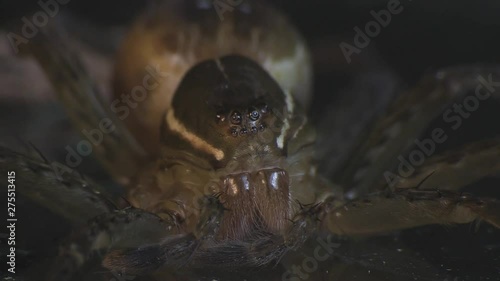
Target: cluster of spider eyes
239, 126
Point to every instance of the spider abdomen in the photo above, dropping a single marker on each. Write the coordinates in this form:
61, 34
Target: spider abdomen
175, 35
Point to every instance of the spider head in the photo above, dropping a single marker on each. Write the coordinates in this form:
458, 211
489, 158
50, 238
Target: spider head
225, 104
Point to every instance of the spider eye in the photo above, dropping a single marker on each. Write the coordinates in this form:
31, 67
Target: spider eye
254, 114
234, 131
236, 118
243, 131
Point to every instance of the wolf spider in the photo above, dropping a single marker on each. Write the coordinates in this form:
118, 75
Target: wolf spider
223, 177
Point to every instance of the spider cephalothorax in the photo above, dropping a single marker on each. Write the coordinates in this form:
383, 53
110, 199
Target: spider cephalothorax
222, 104
249, 169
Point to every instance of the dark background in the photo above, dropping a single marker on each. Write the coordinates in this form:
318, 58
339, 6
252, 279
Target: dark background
425, 36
